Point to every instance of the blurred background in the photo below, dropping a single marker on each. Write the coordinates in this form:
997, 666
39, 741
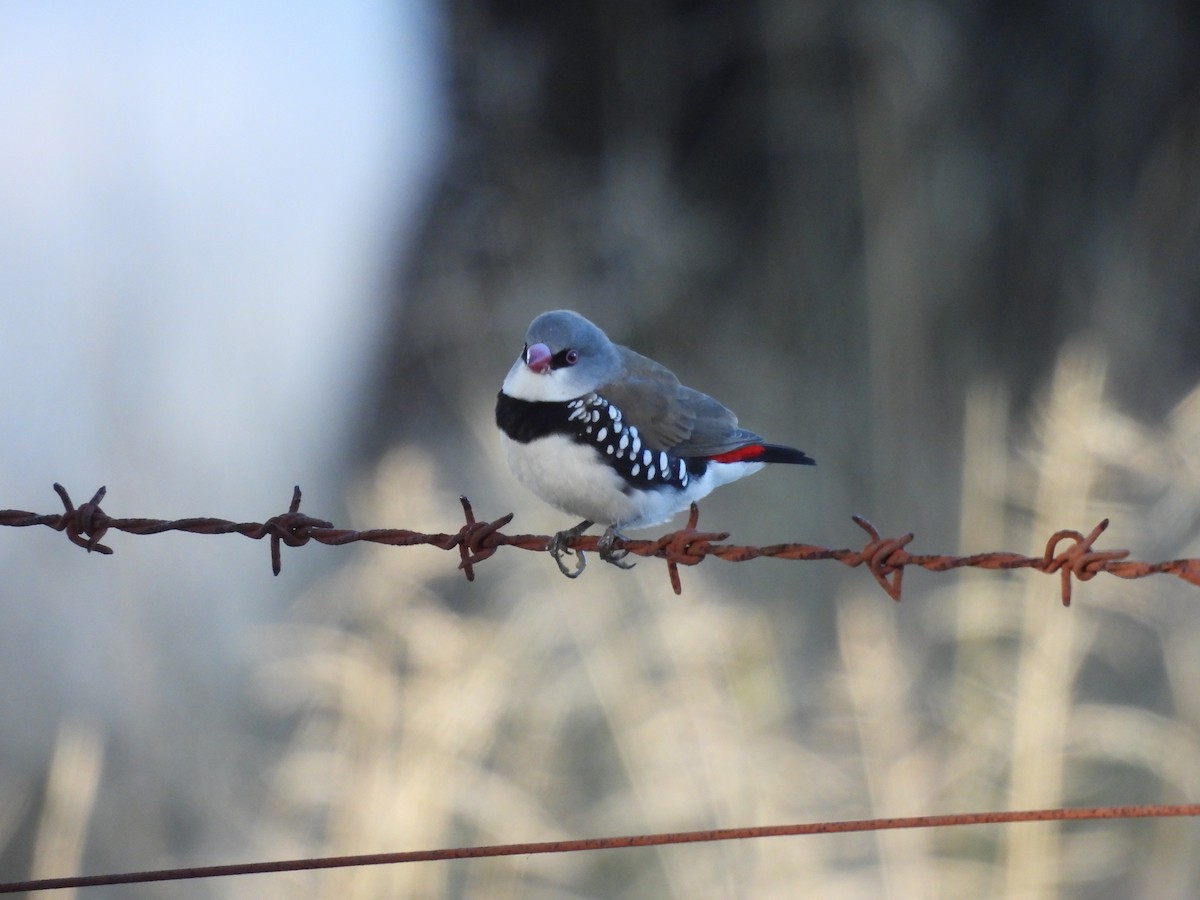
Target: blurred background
950, 250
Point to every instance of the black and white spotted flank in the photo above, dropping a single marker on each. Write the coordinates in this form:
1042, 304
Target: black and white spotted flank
600, 424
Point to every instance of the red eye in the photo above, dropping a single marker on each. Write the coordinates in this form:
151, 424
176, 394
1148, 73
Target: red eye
571, 357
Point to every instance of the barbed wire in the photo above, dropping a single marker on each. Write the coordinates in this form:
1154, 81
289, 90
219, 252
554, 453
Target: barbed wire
609, 843
886, 558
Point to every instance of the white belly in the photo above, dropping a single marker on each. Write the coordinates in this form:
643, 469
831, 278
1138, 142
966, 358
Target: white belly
573, 477
569, 476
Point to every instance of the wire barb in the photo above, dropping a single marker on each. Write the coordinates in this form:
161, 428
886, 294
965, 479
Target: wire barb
886, 558
86, 525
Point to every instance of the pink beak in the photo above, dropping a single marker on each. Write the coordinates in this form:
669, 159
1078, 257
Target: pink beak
537, 357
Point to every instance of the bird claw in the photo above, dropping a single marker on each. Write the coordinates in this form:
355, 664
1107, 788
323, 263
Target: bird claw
558, 549
610, 554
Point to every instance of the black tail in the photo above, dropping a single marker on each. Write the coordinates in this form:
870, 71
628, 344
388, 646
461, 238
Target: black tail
777, 453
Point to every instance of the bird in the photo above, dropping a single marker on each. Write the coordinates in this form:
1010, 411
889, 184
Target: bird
599, 431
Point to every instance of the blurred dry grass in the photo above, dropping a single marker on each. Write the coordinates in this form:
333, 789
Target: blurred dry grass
531, 707
559, 709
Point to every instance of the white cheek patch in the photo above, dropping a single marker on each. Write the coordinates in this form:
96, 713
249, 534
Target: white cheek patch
552, 386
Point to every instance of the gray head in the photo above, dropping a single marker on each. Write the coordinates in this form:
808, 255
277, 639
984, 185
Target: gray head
565, 357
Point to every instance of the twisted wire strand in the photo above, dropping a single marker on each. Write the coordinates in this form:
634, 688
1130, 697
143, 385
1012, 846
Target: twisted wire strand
1068, 552
608, 843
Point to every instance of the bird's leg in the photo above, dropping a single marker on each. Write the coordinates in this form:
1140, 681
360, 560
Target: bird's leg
605, 547
558, 547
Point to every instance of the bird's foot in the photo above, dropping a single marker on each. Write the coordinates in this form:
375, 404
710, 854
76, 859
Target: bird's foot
610, 554
558, 549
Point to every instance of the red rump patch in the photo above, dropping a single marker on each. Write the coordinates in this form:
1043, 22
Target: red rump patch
741, 454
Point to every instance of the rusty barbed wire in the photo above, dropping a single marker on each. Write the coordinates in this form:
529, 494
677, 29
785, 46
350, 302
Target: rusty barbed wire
476, 541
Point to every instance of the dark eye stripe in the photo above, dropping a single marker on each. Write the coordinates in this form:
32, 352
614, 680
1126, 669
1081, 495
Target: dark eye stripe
567, 357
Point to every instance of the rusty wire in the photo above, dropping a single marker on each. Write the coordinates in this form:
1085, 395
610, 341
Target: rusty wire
608, 843
886, 558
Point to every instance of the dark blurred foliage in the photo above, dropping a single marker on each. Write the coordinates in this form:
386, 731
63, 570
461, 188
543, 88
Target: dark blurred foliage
832, 216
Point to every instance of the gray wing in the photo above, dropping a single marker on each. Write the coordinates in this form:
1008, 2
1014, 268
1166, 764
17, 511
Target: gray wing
670, 416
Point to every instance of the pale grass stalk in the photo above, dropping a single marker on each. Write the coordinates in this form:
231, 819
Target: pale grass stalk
71, 788
1049, 655
880, 679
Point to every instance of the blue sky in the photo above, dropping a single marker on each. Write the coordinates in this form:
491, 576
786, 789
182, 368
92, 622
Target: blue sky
198, 208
